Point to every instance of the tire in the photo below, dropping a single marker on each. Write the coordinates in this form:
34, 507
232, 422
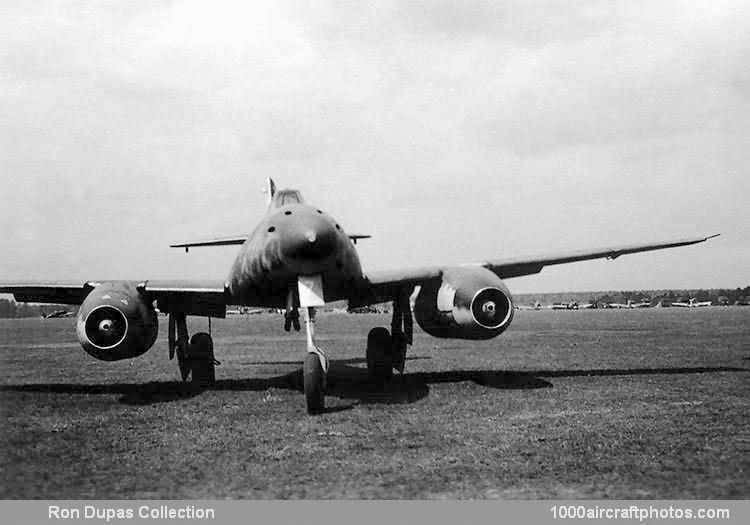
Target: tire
201, 358
379, 355
314, 380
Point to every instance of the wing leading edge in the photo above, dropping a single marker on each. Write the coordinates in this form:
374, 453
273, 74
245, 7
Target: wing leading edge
385, 282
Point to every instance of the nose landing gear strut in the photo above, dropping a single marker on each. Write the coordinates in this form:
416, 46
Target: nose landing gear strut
315, 367
308, 295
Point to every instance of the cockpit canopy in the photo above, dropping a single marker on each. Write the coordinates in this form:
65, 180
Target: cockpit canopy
286, 197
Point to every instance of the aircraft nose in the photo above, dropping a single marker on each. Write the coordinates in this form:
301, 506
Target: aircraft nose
316, 245
313, 238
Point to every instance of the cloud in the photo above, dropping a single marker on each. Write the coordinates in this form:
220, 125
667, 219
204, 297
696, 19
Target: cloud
530, 121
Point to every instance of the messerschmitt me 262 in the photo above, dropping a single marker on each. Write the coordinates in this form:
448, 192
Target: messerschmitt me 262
299, 258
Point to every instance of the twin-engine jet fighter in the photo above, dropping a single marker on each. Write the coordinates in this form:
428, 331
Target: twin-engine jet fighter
299, 258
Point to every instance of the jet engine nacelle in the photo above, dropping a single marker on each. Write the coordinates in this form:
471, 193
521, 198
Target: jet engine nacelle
469, 303
116, 322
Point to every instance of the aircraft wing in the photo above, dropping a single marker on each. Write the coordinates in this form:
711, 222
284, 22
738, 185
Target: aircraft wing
191, 297
385, 284
54, 292
516, 267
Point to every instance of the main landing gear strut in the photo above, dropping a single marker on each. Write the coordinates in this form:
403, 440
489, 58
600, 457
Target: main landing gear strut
194, 355
387, 350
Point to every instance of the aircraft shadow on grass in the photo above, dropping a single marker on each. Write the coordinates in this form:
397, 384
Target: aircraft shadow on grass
347, 361
349, 383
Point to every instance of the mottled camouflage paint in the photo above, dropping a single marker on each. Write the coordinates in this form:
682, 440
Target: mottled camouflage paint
293, 240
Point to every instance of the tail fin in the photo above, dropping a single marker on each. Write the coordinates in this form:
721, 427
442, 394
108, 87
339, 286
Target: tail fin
270, 190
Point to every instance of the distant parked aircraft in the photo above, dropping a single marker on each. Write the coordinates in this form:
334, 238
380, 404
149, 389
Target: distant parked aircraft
536, 306
630, 304
58, 313
616, 305
642, 304
692, 304
572, 305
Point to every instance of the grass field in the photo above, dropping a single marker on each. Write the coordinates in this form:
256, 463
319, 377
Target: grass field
566, 404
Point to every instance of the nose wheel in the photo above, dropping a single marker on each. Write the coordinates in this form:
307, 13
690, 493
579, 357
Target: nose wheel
315, 384
315, 368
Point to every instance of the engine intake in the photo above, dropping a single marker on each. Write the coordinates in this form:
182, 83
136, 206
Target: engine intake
116, 322
491, 308
106, 327
469, 303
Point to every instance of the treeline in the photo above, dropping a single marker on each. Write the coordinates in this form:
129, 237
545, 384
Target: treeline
715, 295
11, 309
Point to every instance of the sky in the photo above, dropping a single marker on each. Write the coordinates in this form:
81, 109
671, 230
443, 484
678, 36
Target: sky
451, 132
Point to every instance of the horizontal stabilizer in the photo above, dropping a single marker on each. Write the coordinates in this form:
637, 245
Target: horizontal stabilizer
355, 237
223, 241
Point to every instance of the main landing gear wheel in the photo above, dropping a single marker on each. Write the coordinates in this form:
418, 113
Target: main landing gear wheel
379, 355
202, 363
314, 379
